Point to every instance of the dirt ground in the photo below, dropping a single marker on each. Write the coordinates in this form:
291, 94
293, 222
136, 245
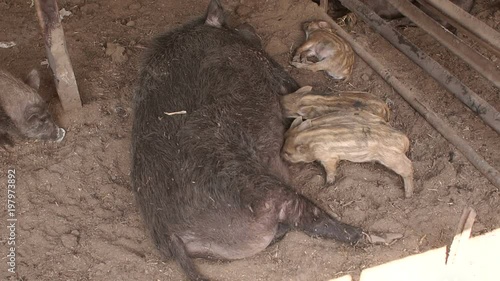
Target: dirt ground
77, 218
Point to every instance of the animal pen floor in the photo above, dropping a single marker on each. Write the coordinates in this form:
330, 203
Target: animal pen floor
77, 218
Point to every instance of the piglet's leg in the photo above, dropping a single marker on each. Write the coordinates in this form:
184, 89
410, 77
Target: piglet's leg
399, 163
308, 54
330, 166
304, 51
317, 66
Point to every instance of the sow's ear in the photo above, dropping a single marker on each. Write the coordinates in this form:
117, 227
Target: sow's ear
215, 14
33, 79
301, 149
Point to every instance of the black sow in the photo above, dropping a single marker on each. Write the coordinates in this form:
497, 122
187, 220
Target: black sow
206, 143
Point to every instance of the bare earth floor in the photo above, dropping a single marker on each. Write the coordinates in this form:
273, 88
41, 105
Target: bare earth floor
77, 218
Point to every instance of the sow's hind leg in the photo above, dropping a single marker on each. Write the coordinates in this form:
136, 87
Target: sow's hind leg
267, 207
276, 204
301, 213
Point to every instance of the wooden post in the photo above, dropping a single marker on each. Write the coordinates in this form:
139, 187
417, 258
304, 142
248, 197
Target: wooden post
324, 5
57, 54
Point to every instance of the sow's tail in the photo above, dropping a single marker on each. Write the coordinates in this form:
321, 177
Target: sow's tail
215, 14
179, 253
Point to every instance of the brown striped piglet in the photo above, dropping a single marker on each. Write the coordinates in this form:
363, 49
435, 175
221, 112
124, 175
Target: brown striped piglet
324, 50
305, 103
353, 137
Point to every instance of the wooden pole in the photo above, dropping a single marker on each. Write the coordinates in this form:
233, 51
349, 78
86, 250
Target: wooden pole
57, 54
468, 21
478, 105
469, 32
477, 61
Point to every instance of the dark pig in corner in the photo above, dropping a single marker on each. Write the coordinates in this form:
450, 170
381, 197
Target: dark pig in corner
206, 140
23, 112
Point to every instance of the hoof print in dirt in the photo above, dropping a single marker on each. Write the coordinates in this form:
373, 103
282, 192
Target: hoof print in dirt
116, 52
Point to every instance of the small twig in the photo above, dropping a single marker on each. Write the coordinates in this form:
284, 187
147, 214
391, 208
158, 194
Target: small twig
6, 45
421, 240
175, 113
347, 204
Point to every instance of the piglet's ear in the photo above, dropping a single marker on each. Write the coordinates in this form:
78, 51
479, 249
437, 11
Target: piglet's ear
324, 24
33, 79
303, 90
296, 122
301, 149
304, 125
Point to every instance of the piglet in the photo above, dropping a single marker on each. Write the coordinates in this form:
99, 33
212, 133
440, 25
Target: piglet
340, 136
307, 104
324, 50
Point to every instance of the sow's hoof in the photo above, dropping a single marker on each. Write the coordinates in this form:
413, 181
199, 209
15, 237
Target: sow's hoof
381, 238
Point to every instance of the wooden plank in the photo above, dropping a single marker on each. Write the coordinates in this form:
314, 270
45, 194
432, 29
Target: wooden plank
478, 261
462, 236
